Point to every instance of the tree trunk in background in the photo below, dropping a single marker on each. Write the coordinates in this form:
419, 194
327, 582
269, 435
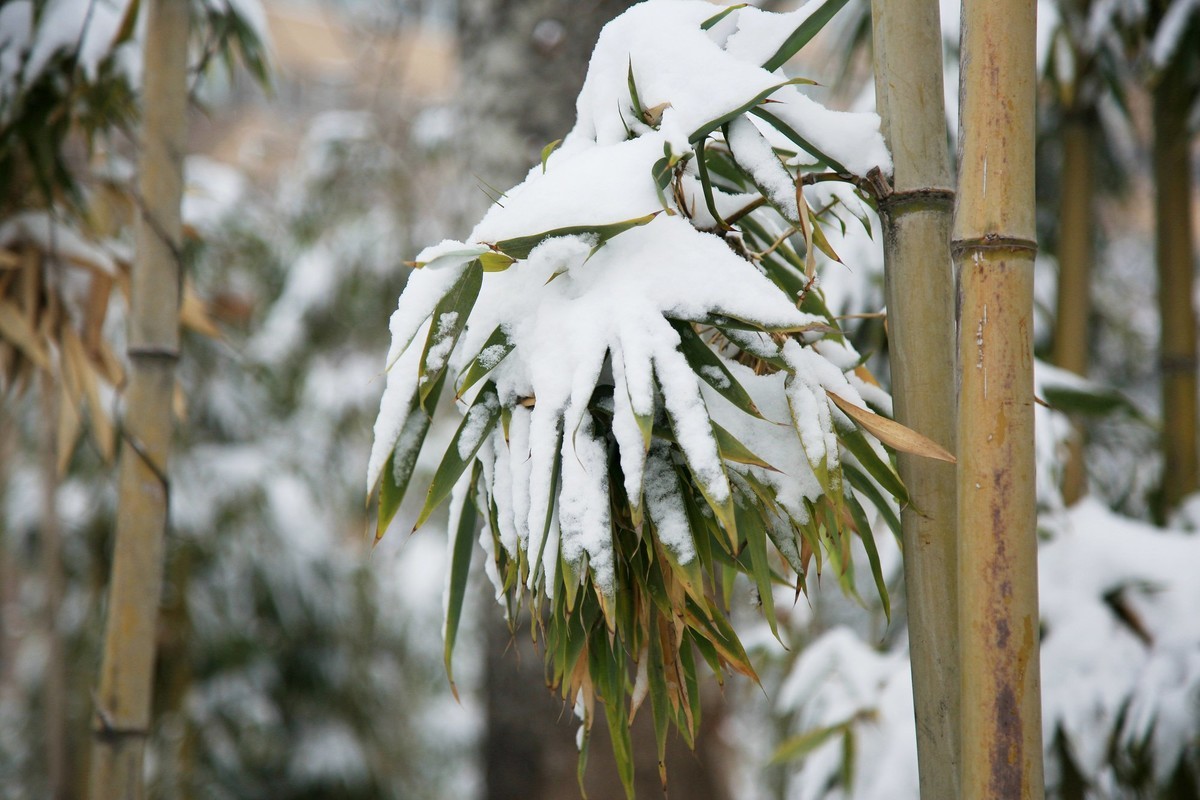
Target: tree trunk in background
123, 702
994, 251
523, 65
1075, 256
1173, 214
920, 300
54, 677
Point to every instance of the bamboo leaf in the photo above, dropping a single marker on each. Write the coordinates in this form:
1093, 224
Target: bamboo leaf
547, 150
804, 144
710, 126
868, 539
760, 567
878, 468
495, 262
715, 18
712, 369
476, 425
863, 485
17, 329
892, 433
733, 450
803, 34
800, 746
398, 471
447, 324
460, 563
521, 246
494, 350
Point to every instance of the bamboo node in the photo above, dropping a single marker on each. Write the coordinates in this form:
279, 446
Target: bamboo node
152, 351
993, 242
105, 730
1176, 364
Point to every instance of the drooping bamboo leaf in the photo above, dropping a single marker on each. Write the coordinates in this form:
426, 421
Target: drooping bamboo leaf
399, 469
447, 324
476, 425
868, 540
712, 369
495, 262
521, 246
804, 144
706, 185
803, 34
864, 485
892, 433
460, 563
494, 350
760, 567
820, 240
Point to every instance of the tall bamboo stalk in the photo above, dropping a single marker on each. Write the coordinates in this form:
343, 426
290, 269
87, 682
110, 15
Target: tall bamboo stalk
994, 249
916, 212
123, 702
1173, 212
54, 685
1075, 254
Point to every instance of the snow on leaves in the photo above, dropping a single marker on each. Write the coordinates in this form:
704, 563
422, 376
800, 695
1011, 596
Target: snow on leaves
645, 360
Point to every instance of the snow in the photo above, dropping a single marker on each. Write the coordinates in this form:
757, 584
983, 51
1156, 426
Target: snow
665, 505
83, 28
1171, 31
753, 154
850, 137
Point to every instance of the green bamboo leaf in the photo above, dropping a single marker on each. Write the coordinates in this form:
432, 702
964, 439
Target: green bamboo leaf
804, 144
547, 150
710, 126
800, 746
820, 240
803, 34
865, 486
476, 425
460, 563
659, 697
447, 324
706, 184
760, 567
494, 350
715, 18
882, 471
687, 663
495, 262
868, 539
521, 246
733, 450
555, 477
397, 473
712, 369
638, 108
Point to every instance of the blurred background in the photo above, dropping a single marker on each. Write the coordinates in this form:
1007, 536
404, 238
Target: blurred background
330, 141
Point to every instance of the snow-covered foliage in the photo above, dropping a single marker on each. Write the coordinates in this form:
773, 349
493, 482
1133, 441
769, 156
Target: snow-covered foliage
652, 386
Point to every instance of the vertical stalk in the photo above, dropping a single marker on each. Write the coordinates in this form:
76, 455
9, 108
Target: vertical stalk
54, 679
1075, 254
1173, 214
123, 702
994, 249
920, 297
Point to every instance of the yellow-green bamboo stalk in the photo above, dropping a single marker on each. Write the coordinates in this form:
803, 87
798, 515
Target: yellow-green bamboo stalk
54, 686
916, 212
1075, 254
1173, 211
994, 250
123, 700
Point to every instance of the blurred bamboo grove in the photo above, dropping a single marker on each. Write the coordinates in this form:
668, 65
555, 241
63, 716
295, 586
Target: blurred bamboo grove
327, 144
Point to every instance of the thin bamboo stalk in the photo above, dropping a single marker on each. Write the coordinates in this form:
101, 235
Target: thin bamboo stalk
54, 686
1174, 244
920, 297
994, 250
1075, 255
123, 702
